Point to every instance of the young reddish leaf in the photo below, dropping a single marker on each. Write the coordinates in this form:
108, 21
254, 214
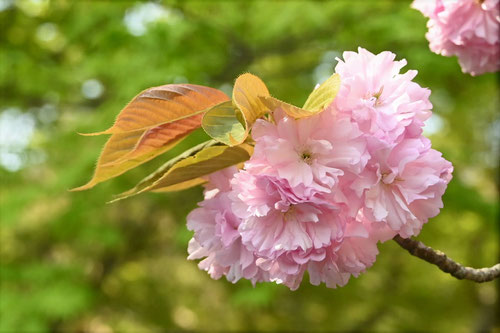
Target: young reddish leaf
246, 92
322, 96
222, 123
155, 138
164, 104
111, 162
185, 170
152, 123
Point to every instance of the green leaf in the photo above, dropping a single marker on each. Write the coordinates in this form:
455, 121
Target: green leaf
224, 123
185, 170
323, 95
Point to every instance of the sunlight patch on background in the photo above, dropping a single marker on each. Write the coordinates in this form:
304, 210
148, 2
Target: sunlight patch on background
492, 157
33, 7
140, 16
92, 89
46, 32
5, 4
325, 68
49, 37
47, 114
16, 131
184, 317
433, 125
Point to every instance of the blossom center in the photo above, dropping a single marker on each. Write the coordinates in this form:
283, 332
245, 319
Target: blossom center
389, 178
289, 214
377, 96
307, 157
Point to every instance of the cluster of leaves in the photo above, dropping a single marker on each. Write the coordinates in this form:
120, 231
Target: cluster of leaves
160, 117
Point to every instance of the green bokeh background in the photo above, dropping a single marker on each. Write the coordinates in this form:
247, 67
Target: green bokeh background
72, 263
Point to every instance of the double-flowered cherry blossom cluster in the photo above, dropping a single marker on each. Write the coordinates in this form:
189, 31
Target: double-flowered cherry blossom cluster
319, 193
468, 29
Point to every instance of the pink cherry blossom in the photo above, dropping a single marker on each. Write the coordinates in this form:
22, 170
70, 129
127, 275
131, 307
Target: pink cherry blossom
319, 193
384, 103
216, 237
468, 29
311, 152
293, 231
409, 181
353, 256
296, 235
290, 223
289, 226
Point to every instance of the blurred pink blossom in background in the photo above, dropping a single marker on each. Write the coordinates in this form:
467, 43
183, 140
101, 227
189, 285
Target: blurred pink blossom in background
468, 29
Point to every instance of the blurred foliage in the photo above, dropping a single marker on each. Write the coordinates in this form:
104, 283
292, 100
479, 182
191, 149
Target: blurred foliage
71, 263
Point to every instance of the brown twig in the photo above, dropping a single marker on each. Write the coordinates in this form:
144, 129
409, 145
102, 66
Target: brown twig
438, 258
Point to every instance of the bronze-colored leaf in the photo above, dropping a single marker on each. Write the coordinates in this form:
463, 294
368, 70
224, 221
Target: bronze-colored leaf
185, 170
154, 139
165, 104
118, 146
247, 91
152, 123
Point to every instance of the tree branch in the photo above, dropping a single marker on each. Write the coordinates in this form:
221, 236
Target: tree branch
447, 265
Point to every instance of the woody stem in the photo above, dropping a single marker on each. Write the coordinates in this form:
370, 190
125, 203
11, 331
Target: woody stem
447, 265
